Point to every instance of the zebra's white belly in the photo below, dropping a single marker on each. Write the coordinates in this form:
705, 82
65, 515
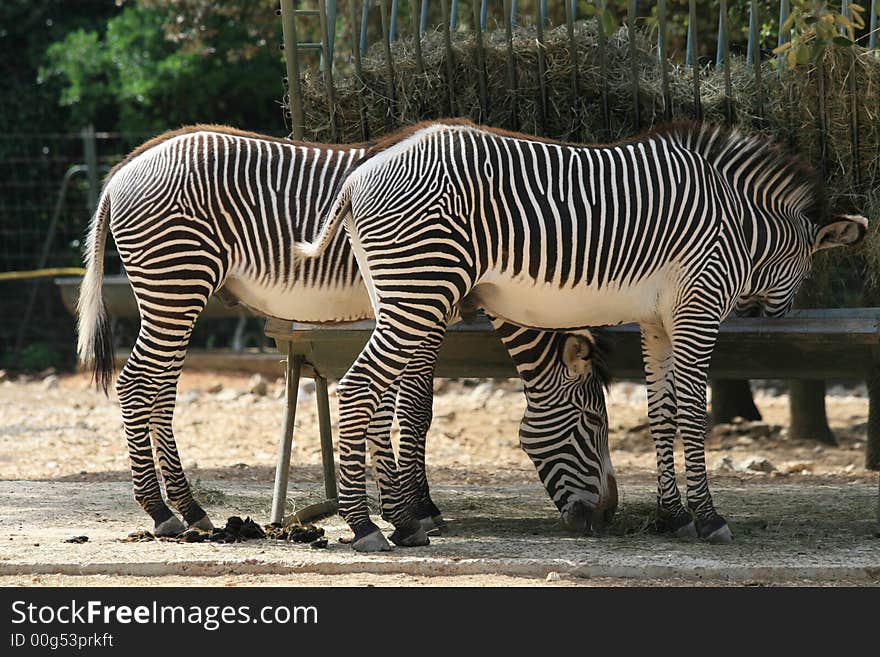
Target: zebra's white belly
303, 303
545, 305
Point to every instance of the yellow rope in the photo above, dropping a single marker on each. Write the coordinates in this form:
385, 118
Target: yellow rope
40, 273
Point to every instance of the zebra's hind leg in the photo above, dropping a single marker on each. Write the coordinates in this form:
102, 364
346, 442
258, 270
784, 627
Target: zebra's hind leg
136, 388
177, 487
360, 391
414, 414
659, 377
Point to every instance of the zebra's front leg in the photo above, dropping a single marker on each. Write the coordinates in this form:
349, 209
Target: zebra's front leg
376, 369
176, 485
693, 341
659, 377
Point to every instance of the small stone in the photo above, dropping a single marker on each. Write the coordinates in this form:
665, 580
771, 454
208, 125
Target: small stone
258, 386
50, 382
77, 539
214, 388
818, 449
227, 395
797, 467
757, 464
744, 441
482, 390
553, 576
440, 386
849, 468
188, 397
49, 371
307, 387
726, 463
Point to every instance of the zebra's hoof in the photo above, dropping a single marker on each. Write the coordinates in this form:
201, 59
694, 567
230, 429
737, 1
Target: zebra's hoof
433, 525
578, 519
687, 532
373, 542
170, 527
204, 524
715, 531
410, 534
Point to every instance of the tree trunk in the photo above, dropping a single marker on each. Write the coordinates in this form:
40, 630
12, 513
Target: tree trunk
806, 402
732, 398
872, 451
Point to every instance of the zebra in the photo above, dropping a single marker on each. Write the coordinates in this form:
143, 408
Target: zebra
212, 210
669, 230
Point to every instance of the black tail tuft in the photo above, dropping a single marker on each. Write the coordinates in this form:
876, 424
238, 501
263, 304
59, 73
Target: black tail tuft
103, 363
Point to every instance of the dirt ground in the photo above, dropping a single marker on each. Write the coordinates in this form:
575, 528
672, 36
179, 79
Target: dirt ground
60, 431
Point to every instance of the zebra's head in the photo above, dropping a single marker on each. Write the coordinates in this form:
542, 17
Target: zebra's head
776, 279
589, 507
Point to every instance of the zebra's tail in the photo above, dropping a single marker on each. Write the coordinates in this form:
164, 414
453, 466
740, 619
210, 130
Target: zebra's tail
341, 207
95, 342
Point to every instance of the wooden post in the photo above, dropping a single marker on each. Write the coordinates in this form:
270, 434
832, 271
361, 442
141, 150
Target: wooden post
291, 57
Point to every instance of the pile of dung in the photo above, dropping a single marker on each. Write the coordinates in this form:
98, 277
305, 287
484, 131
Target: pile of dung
235, 531
298, 533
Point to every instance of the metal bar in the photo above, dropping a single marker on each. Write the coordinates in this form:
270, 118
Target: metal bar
724, 37
820, 117
44, 256
570, 9
392, 29
423, 17
661, 53
632, 12
328, 70
359, 72
603, 73
453, 16
542, 82
365, 17
872, 37
543, 12
750, 49
90, 156
331, 21
282, 467
294, 90
695, 64
753, 37
417, 36
853, 110
782, 37
511, 63
719, 60
689, 47
389, 67
484, 8
326, 429
481, 65
512, 13
450, 67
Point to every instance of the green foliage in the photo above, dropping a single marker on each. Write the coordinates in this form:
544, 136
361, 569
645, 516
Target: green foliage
815, 27
135, 76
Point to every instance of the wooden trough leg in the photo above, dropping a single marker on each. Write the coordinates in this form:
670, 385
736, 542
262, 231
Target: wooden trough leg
330, 505
282, 469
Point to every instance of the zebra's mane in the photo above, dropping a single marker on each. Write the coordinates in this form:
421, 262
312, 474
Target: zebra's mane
796, 184
225, 130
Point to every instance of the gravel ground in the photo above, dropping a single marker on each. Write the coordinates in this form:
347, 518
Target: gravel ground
58, 432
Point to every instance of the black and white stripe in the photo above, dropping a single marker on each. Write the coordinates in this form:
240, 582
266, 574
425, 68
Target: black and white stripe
669, 230
210, 208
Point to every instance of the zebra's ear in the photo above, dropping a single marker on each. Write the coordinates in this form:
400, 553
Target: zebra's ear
848, 230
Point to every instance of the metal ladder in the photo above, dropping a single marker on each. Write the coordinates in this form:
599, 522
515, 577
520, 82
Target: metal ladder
290, 11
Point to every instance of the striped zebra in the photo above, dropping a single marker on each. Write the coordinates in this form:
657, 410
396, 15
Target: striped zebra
669, 230
211, 210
